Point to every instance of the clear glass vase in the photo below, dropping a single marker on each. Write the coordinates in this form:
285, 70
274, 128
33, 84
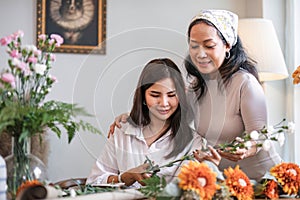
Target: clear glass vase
22, 166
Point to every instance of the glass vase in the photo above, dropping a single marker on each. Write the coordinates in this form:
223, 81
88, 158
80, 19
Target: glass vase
22, 166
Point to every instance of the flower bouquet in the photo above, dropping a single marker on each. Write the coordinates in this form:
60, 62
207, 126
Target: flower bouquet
24, 113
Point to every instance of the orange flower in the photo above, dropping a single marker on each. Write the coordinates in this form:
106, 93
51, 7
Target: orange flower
27, 184
238, 183
271, 190
200, 178
296, 76
288, 175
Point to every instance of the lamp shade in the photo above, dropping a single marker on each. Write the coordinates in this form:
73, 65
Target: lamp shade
259, 38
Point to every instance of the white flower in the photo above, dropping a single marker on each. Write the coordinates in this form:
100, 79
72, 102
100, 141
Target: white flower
248, 144
271, 130
266, 145
254, 135
30, 48
39, 68
291, 128
281, 138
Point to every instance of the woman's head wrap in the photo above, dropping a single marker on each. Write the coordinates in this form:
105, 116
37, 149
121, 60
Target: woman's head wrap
225, 21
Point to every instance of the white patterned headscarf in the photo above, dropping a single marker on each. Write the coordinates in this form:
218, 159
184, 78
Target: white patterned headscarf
225, 21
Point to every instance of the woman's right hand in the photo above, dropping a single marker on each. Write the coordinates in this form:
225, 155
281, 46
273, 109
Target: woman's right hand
212, 155
117, 123
135, 174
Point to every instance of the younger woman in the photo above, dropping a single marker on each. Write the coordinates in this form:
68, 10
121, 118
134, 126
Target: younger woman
157, 128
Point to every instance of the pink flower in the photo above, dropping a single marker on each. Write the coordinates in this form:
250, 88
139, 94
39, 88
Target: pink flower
42, 37
52, 57
37, 52
22, 65
59, 40
17, 34
8, 78
53, 78
15, 53
32, 59
51, 41
5, 40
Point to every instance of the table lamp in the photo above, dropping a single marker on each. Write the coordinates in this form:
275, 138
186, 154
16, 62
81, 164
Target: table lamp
259, 38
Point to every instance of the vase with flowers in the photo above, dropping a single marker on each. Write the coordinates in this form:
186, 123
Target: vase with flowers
24, 112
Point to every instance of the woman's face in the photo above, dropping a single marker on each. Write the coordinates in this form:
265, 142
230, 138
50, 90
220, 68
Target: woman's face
206, 48
161, 100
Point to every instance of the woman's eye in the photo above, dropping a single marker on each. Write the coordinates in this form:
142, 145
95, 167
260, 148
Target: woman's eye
172, 95
210, 46
194, 46
155, 96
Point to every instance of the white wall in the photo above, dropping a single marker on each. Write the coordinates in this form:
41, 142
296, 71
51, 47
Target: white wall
137, 31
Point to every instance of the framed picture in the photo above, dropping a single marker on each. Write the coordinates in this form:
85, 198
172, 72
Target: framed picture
82, 24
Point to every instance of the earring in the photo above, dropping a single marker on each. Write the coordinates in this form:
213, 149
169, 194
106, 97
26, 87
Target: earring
227, 54
144, 103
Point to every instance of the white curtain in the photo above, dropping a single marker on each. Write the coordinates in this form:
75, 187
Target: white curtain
292, 49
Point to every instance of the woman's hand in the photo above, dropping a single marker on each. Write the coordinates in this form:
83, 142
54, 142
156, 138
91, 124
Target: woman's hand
240, 153
212, 155
117, 123
135, 174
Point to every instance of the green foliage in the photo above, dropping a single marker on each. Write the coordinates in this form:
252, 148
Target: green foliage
154, 186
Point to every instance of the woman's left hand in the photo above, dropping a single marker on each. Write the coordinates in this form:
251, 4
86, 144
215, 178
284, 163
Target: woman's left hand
240, 153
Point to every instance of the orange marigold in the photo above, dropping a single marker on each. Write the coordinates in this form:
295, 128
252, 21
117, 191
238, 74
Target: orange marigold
238, 183
296, 76
200, 178
27, 184
288, 176
271, 190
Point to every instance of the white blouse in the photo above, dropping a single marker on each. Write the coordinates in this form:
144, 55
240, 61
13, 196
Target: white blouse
127, 149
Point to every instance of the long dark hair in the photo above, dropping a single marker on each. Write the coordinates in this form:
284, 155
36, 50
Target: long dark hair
154, 71
238, 60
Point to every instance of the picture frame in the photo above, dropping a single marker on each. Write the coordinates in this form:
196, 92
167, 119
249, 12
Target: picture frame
82, 24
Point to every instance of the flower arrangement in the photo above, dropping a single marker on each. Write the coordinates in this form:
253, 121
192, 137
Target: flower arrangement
24, 113
198, 181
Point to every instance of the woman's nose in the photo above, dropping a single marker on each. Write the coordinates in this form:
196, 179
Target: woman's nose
164, 101
201, 53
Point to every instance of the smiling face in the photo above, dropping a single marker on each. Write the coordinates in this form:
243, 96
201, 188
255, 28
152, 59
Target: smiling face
161, 100
206, 48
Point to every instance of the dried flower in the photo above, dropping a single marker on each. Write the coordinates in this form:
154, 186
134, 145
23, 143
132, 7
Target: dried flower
238, 183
